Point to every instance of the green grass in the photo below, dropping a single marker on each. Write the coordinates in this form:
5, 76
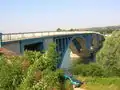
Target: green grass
97, 83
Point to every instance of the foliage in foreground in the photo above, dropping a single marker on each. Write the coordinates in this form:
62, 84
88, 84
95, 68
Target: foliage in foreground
67, 85
33, 71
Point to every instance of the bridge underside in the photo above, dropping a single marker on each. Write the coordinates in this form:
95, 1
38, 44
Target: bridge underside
78, 46
34, 47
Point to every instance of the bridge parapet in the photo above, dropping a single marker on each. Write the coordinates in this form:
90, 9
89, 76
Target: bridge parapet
21, 36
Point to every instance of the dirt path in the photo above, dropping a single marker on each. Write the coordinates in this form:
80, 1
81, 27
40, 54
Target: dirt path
78, 88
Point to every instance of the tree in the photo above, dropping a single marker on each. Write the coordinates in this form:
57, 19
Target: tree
33, 71
59, 29
109, 56
71, 29
41, 63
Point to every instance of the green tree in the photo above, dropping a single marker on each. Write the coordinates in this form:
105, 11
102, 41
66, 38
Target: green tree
32, 71
109, 56
48, 61
59, 29
10, 73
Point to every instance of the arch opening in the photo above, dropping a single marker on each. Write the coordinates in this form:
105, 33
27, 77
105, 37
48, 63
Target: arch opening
76, 48
34, 47
82, 46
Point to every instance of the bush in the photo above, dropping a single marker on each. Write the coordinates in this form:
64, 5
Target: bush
10, 74
91, 69
50, 80
32, 56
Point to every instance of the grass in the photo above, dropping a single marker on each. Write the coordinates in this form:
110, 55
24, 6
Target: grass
97, 83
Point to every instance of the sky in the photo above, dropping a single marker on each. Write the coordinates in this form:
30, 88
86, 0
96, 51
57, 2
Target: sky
48, 15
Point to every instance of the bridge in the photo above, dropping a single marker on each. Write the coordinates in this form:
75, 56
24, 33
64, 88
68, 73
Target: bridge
82, 43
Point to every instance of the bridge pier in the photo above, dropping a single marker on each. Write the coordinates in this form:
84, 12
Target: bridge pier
61, 47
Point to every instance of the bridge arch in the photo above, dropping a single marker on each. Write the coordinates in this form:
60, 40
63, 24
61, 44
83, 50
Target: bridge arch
78, 46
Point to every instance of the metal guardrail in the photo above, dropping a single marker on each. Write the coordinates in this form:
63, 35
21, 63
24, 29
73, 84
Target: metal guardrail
27, 35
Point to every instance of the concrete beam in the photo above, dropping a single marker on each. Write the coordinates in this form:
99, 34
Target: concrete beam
28, 35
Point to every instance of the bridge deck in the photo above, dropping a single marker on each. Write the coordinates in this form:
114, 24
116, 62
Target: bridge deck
21, 36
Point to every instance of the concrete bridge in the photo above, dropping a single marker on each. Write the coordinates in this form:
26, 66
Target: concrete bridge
82, 43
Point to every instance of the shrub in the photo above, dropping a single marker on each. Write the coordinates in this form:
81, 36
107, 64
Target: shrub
10, 74
32, 56
50, 80
91, 69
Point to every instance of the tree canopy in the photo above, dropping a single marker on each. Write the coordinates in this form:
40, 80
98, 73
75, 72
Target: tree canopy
109, 56
32, 71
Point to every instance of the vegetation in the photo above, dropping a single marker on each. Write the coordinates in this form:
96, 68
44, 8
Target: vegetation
100, 83
105, 31
33, 71
109, 56
102, 30
68, 85
91, 69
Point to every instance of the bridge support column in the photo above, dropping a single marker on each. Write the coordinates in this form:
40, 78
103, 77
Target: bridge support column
21, 47
61, 48
96, 43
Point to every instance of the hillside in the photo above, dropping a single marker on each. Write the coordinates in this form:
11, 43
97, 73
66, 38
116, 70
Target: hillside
103, 30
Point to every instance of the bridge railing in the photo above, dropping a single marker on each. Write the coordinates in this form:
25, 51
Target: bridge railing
20, 36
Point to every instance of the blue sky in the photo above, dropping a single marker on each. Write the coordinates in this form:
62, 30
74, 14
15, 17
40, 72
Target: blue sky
48, 15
